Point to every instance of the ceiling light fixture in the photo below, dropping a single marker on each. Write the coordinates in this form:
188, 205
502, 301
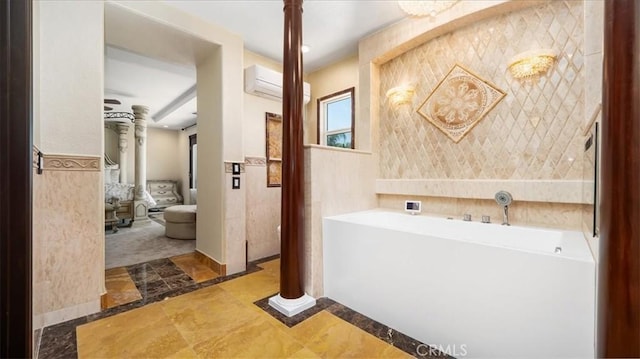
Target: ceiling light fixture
530, 64
426, 7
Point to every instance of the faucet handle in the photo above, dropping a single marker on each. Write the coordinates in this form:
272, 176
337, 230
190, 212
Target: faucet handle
466, 217
486, 219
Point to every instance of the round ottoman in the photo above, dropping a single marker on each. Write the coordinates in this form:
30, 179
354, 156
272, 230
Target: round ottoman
180, 222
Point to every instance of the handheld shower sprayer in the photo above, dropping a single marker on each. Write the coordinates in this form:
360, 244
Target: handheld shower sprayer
504, 199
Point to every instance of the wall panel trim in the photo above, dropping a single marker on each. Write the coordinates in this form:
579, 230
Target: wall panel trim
555, 191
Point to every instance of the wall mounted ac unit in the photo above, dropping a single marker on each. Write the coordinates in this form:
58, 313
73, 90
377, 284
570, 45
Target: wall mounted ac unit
264, 82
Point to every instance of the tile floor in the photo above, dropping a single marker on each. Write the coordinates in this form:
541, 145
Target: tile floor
135, 282
222, 321
166, 315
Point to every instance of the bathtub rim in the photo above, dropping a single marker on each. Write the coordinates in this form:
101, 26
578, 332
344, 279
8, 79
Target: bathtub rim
574, 239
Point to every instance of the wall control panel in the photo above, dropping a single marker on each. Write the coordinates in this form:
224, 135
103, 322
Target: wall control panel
413, 207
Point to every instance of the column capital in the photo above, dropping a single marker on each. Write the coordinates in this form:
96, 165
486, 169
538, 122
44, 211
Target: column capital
140, 111
122, 128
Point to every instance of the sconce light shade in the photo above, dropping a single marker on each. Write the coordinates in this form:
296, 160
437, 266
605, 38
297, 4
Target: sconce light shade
532, 63
400, 95
426, 7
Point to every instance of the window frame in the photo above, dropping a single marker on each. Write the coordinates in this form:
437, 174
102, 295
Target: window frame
321, 135
193, 140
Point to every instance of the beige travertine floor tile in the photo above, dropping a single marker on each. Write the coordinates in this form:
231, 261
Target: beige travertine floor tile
271, 267
257, 339
393, 352
120, 287
186, 353
272, 320
207, 314
144, 332
221, 322
195, 269
252, 287
304, 353
331, 337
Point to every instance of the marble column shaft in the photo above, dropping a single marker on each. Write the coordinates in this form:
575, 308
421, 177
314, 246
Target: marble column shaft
140, 113
141, 206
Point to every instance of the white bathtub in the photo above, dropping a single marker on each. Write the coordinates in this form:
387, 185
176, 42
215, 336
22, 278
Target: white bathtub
472, 289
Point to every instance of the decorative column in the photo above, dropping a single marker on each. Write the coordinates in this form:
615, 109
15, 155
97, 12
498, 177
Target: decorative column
140, 205
123, 145
619, 266
292, 299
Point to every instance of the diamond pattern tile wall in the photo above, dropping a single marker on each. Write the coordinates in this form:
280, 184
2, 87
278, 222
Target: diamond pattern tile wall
533, 133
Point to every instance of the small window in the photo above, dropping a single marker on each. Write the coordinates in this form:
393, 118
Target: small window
336, 118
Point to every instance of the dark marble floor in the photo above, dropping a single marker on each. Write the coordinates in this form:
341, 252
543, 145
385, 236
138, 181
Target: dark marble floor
161, 279
379, 330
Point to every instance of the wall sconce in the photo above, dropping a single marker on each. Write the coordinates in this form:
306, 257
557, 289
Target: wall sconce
532, 63
400, 95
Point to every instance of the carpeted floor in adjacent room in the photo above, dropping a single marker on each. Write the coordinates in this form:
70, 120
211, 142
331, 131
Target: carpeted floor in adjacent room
142, 244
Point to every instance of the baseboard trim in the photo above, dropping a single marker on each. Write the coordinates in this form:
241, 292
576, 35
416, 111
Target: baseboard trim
103, 301
211, 263
71, 312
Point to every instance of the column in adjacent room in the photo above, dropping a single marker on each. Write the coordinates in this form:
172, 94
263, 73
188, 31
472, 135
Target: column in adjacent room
141, 206
123, 145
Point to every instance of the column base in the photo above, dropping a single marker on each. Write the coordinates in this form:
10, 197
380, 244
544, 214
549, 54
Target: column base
141, 223
291, 307
140, 213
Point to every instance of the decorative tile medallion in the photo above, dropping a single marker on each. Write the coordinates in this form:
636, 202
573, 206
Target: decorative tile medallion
459, 102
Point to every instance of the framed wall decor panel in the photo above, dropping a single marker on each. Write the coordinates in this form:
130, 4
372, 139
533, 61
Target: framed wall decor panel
274, 149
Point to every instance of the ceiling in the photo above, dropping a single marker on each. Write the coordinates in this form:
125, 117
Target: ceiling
164, 77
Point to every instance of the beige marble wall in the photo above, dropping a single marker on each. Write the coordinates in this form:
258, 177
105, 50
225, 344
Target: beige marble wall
262, 203
543, 214
38, 269
403, 36
263, 210
68, 227
336, 181
535, 132
532, 140
558, 191
68, 212
235, 223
